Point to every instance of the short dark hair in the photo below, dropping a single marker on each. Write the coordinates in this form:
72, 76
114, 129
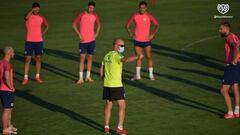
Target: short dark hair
91, 3
227, 24
143, 3
35, 4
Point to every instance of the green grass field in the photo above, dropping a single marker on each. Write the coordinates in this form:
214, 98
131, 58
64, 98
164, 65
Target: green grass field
184, 100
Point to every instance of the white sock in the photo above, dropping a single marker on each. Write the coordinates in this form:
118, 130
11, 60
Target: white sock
138, 72
26, 77
37, 75
88, 74
120, 127
230, 112
150, 72
236, 111
80, 75
106, 126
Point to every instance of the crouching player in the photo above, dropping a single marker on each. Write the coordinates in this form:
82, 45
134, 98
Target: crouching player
111, 72
232, 70
7, 90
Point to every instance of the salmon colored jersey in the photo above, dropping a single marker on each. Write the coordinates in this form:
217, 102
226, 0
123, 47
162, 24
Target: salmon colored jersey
143, 25
34, 28
229, 50
5, 66
87, 22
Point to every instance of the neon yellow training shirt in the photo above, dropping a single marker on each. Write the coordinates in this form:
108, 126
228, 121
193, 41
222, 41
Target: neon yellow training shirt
112, 69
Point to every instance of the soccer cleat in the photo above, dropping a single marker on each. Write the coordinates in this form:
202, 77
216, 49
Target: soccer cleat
122, 131
152, 78
13, 128
236, 115
106, 130
135, 78
8, 131
80, 81
228, 116
89, 79
25, 81
39, 80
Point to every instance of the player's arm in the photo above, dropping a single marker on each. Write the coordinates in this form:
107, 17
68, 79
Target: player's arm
29, 14
74, 25
128, 26
156, 24
131, 58
102, 71
7, 77
45, 23
98, 24
235, 53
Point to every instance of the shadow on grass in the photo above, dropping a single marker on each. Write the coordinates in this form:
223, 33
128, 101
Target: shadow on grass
174, 98
59, 109
50, 68
198, 72
187, 56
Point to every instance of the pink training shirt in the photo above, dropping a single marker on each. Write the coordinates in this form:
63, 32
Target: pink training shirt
143, 25
230, 39
5, 66
34, 28
87, 22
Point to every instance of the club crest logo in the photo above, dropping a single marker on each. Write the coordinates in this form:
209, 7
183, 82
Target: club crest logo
223, 8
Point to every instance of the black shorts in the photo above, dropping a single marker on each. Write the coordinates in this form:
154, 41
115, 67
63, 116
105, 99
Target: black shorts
231, 74
7, 98
142, 44
36, 47
113, 93
87, 48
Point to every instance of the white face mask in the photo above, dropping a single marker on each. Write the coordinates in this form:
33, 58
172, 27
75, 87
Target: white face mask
121, 49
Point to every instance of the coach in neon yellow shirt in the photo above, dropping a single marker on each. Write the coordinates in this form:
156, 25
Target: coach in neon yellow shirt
111, 72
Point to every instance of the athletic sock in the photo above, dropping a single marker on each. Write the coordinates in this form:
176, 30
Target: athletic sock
138, 72
230, 112
150, 72
26, 77
236, 111
106, 126
88, 74
80, 75
37, 75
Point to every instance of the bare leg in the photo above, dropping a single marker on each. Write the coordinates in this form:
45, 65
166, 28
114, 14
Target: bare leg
236, 94
6, 118
81, 68
26, 64
138, 51
148, 53
89, 68
108, 110
225, 92
38, 65
121, 114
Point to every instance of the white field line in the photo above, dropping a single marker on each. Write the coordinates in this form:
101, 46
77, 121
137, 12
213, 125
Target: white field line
197, 42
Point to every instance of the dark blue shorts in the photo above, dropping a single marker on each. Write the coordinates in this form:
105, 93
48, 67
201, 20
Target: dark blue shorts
36, 47
142, 44
231, 74
7, 99
87, 48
